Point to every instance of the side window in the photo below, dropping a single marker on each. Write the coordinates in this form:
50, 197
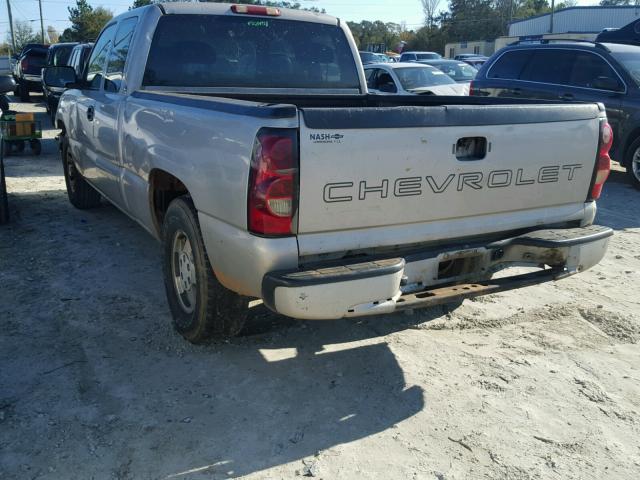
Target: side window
385, 83
95, 68
370, 75
549, 66
590, 68
509, 65
82, 60
72, 58
118, 55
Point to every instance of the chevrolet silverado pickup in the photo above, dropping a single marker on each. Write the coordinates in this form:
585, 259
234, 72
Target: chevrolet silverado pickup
244, 138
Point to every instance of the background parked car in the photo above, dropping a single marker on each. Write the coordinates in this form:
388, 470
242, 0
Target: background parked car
464, 56
410, 78
27, 73
369, 57
5, 65
79, 56
58, 55
575, 71
416, 56
476, 62
457, 70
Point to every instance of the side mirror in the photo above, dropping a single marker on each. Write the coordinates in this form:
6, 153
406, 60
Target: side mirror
60, 77
7, 84
606, 83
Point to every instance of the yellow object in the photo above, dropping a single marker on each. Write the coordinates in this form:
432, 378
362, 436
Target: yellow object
24, 117
24, 124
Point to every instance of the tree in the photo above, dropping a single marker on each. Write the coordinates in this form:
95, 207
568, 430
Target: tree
614, 3
23, 34
140, 3
86, 22
429, 8
53, 35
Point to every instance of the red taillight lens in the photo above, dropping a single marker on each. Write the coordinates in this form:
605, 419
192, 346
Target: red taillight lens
603, 164
256, 10
273, 183
471, 88
24, 64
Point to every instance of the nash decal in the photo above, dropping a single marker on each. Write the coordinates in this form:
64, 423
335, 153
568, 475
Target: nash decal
326, 137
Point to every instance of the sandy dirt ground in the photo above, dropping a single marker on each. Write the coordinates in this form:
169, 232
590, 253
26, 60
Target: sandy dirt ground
94, 383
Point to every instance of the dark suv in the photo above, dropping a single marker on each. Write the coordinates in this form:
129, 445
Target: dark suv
58, 55
28, 69
574, 71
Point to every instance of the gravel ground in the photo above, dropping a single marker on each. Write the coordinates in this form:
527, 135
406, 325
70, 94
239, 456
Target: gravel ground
531, 384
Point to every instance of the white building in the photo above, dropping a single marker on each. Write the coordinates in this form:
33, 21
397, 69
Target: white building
575, 20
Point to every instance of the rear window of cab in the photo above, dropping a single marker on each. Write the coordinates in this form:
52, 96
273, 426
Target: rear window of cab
229, 51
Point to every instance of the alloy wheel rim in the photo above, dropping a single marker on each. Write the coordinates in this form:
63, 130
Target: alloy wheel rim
635, 164
183, 271
71, 173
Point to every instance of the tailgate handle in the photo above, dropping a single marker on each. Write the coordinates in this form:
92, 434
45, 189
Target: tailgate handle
471, 148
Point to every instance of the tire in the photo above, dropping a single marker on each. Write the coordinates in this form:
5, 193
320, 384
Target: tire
81, 194
4, 201
632, 163
201, 307
24, 93
36, 146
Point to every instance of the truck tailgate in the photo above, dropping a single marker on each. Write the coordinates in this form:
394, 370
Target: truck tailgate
374, 167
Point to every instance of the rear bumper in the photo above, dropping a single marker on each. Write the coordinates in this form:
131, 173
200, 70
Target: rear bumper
31, 82
433, 277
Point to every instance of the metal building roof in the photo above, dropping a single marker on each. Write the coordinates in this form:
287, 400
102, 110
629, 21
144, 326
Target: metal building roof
576, 20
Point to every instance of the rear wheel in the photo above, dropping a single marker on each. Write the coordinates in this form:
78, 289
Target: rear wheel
4, 201
201, 307
632, 163
24, 93
36, 146
81, 194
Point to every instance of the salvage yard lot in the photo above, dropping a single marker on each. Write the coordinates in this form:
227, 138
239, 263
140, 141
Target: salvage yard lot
94, 382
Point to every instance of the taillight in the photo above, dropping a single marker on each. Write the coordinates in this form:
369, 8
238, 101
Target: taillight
471, 88
273, 183
603, 163
24, 64
256, 10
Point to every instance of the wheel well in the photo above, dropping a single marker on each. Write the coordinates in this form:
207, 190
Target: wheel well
163, 188
630, 139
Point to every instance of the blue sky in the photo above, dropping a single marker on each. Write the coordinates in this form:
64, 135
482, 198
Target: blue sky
55, 11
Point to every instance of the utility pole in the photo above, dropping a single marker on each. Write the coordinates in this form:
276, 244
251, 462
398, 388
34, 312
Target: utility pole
41, 23
13, 36
552, 9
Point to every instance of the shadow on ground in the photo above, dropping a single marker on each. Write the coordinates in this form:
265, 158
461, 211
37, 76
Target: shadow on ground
87, 340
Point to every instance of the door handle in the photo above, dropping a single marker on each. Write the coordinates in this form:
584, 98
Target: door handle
90, 113
566, 96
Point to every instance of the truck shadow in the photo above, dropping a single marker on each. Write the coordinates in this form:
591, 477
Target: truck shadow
109, 366
285, 408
